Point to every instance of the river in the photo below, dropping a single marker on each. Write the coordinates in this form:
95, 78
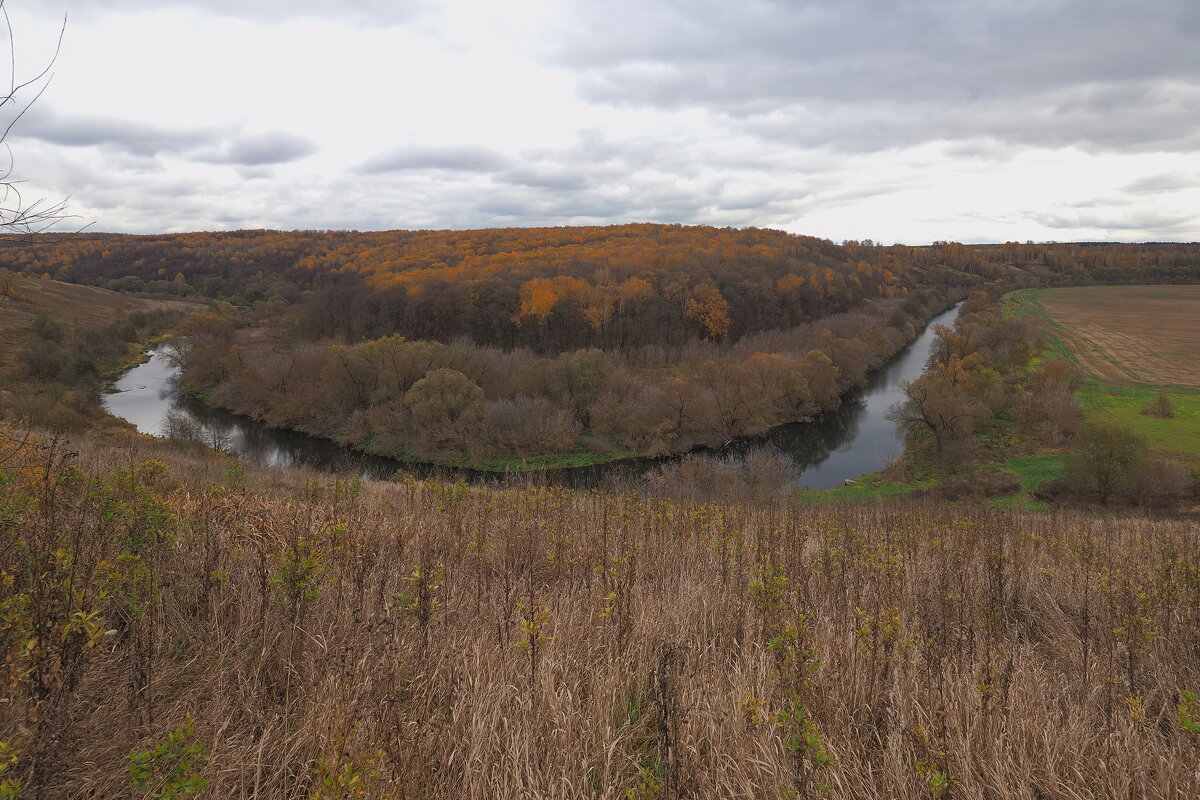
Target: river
836, 446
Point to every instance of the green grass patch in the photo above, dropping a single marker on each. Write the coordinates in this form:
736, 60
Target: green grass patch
1179, 434
868, 487
502, 464
1033, 471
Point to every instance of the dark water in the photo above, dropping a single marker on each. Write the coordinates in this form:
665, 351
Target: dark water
837, 445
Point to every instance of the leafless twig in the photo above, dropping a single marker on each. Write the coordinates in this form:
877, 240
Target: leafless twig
16, 215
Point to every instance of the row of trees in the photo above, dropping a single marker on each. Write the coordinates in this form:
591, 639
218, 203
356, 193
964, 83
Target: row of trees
553, 289
972, 378
464, 402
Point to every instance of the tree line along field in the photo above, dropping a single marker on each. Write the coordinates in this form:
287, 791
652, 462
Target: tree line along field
1132, 343
997, 417
178, 626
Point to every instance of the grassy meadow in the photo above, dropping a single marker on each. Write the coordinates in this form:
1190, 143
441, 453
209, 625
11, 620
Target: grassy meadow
26, 299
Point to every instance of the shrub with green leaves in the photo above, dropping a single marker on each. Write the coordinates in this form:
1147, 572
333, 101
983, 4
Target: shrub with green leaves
170, 770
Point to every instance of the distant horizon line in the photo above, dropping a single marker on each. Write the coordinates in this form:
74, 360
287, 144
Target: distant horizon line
865, 241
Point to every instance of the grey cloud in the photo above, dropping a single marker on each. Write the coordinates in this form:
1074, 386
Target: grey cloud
524, 208
1161, 184
983, 148
1060, 70
132, 137
1100, 202
261, 149
554, 179
1151, 221
1165, 118
872, 49
143, 141
420, 158
597, 179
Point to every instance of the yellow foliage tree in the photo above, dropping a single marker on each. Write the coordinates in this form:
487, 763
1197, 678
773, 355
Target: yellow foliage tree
708, 307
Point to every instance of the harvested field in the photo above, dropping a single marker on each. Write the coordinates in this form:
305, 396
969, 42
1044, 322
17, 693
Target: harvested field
1130, 334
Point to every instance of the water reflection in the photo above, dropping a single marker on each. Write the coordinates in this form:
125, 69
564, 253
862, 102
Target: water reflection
264, 447
854, 439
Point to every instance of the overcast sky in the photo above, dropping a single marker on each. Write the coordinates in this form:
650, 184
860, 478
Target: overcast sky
972, 120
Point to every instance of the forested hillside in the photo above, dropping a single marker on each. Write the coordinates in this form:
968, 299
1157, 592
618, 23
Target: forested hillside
551, 289
564, 288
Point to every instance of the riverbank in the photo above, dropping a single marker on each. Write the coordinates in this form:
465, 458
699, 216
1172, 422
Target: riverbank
807, 445
1072, 379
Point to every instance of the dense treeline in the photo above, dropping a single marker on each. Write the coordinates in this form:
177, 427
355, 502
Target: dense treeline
552, 289
976, 377
560, 289
469, 404
183, 628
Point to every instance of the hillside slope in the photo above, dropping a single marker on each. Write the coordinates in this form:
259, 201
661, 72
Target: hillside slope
179, 624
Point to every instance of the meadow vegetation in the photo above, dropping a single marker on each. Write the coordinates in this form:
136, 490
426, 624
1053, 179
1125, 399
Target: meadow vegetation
176, 625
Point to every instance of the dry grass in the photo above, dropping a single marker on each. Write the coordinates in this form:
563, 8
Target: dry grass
1143, 334
427, 641
80, 306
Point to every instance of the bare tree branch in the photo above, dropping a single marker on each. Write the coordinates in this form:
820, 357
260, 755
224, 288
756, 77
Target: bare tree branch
16, 215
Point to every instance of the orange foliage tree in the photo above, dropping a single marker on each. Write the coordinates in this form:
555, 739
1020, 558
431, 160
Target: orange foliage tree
708, 307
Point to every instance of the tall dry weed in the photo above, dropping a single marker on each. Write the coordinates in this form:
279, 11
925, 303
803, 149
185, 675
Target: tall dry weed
180, 624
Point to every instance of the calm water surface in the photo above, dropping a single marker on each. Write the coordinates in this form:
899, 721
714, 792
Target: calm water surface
837, 445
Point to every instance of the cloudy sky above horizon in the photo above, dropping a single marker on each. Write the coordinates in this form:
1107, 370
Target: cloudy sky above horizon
973, 120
